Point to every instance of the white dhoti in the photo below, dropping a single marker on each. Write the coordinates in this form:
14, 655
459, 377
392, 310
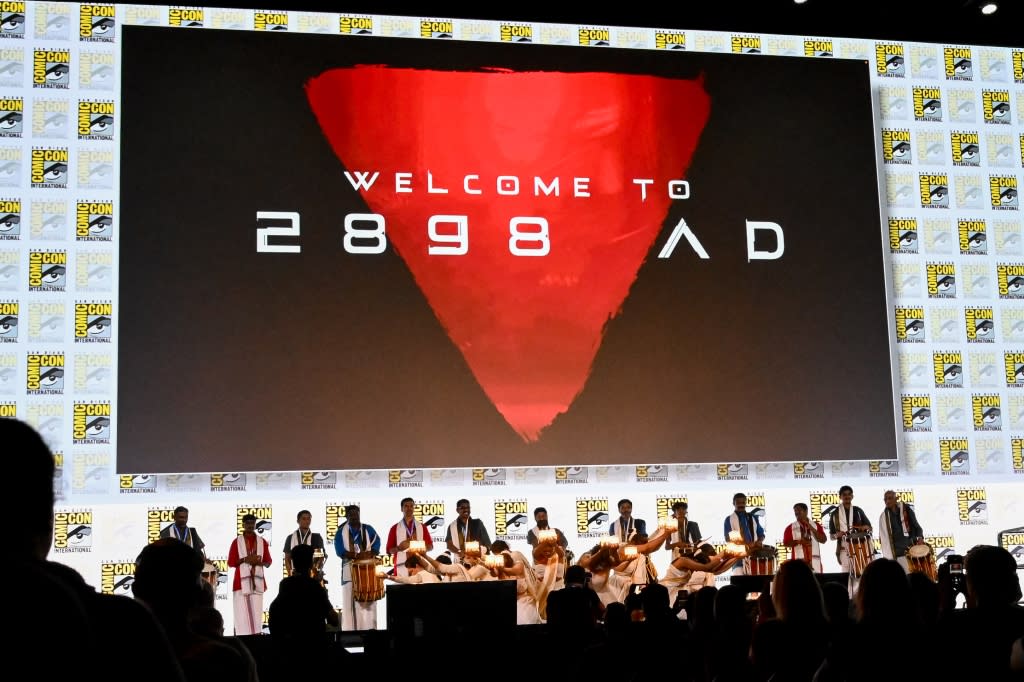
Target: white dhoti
526, 610
675, 579
356, 615
248, 613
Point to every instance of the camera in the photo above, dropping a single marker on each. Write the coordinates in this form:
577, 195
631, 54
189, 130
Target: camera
957, 581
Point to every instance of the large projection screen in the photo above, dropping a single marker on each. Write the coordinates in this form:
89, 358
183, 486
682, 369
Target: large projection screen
345, 252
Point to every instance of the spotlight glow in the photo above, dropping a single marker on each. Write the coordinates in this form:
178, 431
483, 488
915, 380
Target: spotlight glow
989, 8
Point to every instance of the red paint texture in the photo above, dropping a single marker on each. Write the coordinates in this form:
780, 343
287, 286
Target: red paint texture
528, 327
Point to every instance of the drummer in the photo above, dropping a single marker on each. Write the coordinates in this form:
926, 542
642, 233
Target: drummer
353, 541
748, 525
844, 520
898, 528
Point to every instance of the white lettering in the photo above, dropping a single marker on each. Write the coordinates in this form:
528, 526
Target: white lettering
754, 254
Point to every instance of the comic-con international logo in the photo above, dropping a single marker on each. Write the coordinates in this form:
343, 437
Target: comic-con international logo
651, 473
957, 63
49, 168
822, 504
954, 457
12, 116
47, 270
270, 21
570, 475
355, 25
405, 478
986, 414
942, 544
966, 148
231, 482
808, 470
264, 520
663, 504
489, 477
903, 235
94, 270
592, 517
745, 44
1012, 540
1002, 190
10, 166
431, 514
972, 506
95, 120
594, 36
44, 373
51, 68
1013, 366
511, 519
157, 518
10, 219
927, 103
318, 480
9, 321
896, 146
8, 410
889, 60
50, 118
732, 472
515, 33
1010, 280
818, 48
972, 236
941, 280
948, 369
191, 17
72, 531
117, 577
96, 23
980, 325
910, 324
916, 412
90, 423
883, 468
334, 516
12, 62
93, 322
46, 321
96, 70
134, 484
669, 40
1017, 454
433, 28
934, 190
12, 19
995, 106
94, 221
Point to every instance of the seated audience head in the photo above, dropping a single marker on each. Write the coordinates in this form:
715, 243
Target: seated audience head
884, 596
33, 469
575, 575
302, 559
797, 595
991, 577
167, 579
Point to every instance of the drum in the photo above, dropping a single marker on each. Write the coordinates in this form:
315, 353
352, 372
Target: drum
366, 584
921, 559
861, 549
759, 564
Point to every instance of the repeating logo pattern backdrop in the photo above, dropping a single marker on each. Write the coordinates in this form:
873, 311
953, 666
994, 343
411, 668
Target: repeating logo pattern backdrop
950, 149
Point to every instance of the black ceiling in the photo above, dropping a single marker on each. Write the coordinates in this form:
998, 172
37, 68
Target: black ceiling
939, 21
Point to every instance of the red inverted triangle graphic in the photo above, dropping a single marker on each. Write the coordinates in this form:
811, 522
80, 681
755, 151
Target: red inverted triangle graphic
528, 326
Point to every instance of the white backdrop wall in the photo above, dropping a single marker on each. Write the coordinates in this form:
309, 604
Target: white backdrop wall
948, 116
